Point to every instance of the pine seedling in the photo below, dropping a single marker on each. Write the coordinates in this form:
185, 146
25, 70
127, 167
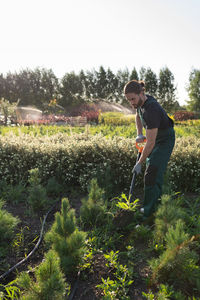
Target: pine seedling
49, 281
37, 198
93, 210
8, 224
167, 215
66, 239
178, 264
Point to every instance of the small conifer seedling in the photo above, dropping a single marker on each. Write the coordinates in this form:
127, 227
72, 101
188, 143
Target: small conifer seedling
66, 239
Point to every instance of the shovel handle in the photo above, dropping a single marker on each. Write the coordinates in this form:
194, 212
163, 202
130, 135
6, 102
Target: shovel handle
139, 146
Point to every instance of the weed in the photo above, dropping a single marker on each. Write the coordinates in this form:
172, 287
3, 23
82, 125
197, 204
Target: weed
118, 287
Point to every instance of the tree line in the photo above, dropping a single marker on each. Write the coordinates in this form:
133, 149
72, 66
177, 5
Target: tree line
40, 86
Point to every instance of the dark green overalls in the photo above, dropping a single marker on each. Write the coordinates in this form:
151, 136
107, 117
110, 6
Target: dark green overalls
156, 164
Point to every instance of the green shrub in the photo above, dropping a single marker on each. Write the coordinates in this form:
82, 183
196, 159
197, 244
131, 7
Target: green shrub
66, 239
184, 164
167, 215
74, 160
93, 210
49, 281
178, 265
12, 193
53, 188
116, 118
8, 225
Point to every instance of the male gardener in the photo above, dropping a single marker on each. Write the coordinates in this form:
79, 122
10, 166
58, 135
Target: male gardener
160, 139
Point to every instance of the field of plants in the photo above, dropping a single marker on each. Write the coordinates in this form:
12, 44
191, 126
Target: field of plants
68, 229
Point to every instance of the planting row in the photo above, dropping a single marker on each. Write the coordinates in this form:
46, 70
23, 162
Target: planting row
73, 160
107, 229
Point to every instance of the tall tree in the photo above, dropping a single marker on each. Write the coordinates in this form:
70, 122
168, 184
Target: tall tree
123, 77
112, 85
31, 87
90, 85
166, 90
2, 86
142, 73
151, 82
134, 74
71, 90
194, 90
101, 83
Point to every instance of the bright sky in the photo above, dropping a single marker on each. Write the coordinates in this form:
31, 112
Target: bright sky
70, 35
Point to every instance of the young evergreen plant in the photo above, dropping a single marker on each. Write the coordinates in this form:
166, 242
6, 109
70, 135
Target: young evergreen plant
168, 213
8, 224
66, 239
49, 281
93, 209
178, 264
37, 198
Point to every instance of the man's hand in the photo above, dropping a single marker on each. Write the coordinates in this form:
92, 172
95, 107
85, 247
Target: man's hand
137, 168
140, 138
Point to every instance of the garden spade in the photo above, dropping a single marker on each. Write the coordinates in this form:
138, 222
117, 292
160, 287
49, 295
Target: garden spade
124, 217
140, 147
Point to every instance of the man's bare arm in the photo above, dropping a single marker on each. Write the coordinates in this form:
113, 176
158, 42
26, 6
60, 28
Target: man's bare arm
138, 124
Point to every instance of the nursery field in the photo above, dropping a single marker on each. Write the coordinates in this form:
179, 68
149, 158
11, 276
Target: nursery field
68, 229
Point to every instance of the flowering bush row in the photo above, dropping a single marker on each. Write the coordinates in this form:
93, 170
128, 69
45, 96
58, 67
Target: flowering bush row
116, 118
184, 115
54, 119
92, 116
74, 160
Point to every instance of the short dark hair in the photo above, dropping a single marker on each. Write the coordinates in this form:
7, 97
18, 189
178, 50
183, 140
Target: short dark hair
134, 86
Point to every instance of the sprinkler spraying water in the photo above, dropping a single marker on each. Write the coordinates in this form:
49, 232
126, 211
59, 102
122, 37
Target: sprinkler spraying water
28, 114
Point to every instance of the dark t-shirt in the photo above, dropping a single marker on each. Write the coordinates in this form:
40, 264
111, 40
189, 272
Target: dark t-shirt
154, 115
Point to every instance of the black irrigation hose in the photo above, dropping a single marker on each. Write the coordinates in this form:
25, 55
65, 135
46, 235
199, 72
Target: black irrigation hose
71, 296
34, 249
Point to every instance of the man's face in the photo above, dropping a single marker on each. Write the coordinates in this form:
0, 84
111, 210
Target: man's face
134, 99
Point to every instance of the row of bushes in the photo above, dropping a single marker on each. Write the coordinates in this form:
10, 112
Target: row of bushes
74, 160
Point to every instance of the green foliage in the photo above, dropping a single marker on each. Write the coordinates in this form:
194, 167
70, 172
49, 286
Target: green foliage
13, 193
167, 215
33, 87
49, 281
151, 82
166, 89
8, 110
77, 158
194, 90
118, 287
9, 291
37, 198
66, 239
93, 209
178, 264
53, 188
165, 292
126, 204
116, 118
8, 225
184, 164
